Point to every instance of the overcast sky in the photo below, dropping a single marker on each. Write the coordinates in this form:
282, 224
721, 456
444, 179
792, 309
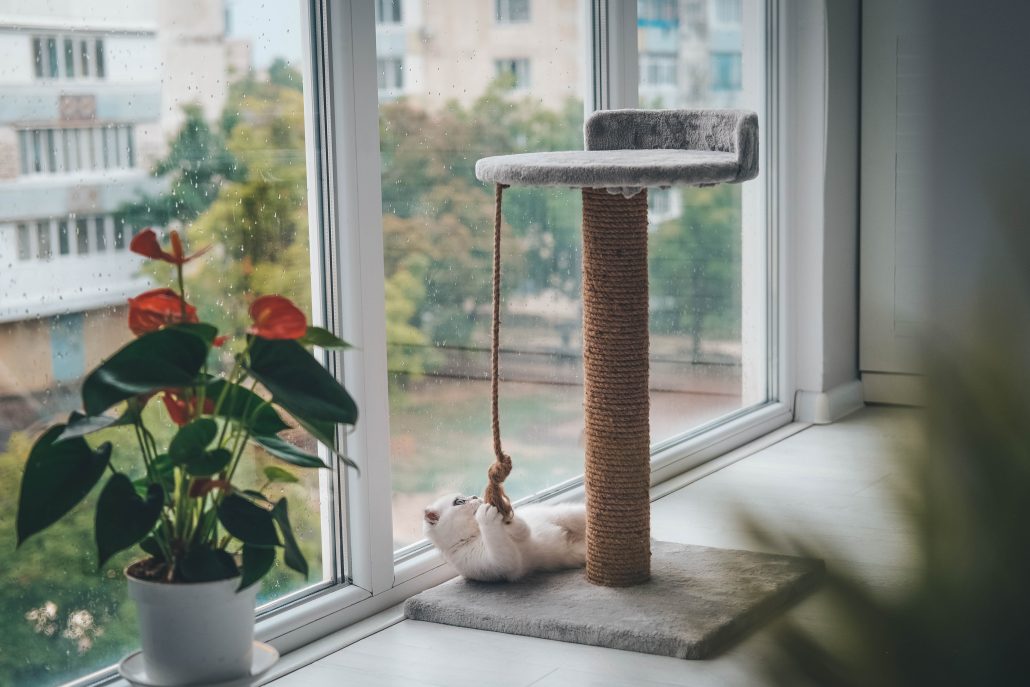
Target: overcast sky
273, 27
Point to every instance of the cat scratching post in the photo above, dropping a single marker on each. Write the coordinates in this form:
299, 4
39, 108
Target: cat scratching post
640, 595
627, 150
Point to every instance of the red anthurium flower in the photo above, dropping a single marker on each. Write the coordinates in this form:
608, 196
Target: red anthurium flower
276, 317
154, 309
146, 244
182, 411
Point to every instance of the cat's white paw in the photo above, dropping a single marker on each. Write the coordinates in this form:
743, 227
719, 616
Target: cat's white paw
488, 516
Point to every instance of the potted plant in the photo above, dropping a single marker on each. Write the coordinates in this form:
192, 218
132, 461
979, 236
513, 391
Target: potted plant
207, 539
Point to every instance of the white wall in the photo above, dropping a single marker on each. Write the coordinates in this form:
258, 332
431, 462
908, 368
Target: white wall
818, 171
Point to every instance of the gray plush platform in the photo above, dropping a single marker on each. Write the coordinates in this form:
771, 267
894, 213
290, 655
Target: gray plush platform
610, 168
698, 601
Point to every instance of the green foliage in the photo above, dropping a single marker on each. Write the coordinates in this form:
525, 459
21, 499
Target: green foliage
197, 164
695, 267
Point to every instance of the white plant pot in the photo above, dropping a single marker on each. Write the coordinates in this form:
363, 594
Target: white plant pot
196, 633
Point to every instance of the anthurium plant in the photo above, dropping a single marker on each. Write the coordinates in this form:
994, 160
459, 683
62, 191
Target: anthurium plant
183, 505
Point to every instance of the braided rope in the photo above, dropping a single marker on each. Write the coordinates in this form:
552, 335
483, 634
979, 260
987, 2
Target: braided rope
501, 467
616, 401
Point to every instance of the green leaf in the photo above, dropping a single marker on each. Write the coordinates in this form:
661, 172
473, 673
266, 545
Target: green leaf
58, 475
288, 452
80, 425
247, 521
209, 462
165, 359
191, 440
317, 336
149, 545
208, 565
205, 332
240, 402
123, 518
291, 553
257, 561
274, 473
298, 383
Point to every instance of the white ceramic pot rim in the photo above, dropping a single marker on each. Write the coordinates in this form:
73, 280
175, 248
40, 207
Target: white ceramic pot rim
162, 590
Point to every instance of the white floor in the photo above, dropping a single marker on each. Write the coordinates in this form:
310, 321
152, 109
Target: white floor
831, 482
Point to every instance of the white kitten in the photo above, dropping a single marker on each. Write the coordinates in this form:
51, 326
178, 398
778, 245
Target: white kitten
474, 538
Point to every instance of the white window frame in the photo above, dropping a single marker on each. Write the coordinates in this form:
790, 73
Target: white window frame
348, 296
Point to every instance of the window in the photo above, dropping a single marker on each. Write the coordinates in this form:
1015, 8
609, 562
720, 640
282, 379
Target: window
24, 242
231, 171
69, 57
60, 151
99, 51
516, 71
658, 70
43, 249
511, 11
388, 11
51, 51
100, 227
707, 246
728, 11
726, 71
81, 236
230, 164
63, 241
659, 13
391, 73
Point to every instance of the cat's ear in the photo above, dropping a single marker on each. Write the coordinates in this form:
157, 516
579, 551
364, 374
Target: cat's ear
432, 517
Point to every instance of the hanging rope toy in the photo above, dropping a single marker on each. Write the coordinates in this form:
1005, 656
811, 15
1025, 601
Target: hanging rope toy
501, 467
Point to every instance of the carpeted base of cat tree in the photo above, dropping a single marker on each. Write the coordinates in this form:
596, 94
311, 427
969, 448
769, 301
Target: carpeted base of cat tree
698, 601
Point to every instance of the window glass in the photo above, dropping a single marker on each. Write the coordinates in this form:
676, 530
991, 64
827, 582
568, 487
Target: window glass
43, 250
69, 58
511, 11
99, 46
24, 242
100, 229
84, 57
63, 240
207, 124
708, 341
51, 51
37, 57
463, 100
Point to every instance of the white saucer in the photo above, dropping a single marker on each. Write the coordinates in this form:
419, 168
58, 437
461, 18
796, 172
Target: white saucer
131, 668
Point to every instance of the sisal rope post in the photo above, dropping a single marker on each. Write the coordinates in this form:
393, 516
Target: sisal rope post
501, 467
616, 400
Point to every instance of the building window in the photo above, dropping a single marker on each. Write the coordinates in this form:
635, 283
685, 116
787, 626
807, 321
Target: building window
63, 238
660, 13
81, 236
657, 70
99, 52
100, 231
728, 11
43, 245
68, 57
60, 151
726, 71
516, 70
388, 11
24, 242
391, 73
511, 11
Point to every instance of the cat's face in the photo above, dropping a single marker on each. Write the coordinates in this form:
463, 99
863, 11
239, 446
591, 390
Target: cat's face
450, 515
